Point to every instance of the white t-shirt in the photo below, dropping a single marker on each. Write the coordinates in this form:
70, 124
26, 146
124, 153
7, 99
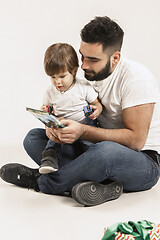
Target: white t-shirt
70, 104
129, 85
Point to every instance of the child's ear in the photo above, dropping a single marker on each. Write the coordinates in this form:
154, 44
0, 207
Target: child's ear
74, 72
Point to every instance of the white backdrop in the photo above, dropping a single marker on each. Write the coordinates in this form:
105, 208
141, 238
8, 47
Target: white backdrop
28, 27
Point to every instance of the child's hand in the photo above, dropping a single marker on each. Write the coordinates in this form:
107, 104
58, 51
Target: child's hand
48, 109
96, 112
43, 108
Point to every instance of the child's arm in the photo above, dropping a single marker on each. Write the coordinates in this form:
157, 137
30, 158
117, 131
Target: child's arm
97, 108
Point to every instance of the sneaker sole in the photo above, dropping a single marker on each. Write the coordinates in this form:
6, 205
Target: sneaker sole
47, 169
91, 194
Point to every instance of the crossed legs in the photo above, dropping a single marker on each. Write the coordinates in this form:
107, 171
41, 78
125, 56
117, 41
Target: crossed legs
93, 162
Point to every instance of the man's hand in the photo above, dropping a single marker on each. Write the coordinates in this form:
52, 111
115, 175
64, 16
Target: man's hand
52, 135
70, 133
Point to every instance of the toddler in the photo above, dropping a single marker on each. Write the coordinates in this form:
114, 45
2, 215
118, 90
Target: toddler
67, 96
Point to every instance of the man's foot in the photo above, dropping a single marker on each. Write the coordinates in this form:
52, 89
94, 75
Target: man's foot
91, 193
49, 162
20, 175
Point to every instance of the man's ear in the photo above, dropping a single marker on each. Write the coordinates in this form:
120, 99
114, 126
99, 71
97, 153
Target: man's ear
115, 58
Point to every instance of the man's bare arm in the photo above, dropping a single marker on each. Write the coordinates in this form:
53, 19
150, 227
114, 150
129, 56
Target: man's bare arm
136, 120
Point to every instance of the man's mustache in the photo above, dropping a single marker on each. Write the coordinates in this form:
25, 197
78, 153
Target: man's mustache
89, 71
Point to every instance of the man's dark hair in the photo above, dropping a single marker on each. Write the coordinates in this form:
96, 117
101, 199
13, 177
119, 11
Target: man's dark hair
105, 31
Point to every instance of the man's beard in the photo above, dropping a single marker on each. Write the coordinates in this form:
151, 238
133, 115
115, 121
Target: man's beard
104, 73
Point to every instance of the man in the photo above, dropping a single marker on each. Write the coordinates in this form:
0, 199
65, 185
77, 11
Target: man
96, 163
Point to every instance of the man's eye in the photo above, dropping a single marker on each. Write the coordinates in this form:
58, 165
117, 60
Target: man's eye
94, 60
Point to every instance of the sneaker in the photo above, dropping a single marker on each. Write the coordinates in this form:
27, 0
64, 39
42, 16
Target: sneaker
48, 167
20, 175
91, 193
49, 162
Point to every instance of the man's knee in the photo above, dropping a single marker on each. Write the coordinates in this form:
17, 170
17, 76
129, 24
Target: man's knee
32, 135
108, 146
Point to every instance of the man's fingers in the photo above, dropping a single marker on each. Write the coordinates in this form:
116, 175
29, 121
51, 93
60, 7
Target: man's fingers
56, 140
66, 137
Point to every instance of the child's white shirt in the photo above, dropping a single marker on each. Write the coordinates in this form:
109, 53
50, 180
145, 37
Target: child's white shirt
69, 104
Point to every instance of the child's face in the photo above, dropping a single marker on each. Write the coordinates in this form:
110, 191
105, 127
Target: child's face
62, 81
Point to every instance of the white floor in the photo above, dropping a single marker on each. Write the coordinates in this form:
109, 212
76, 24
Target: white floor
28, 215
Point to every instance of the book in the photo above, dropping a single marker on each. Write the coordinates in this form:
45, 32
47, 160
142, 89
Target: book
47, 118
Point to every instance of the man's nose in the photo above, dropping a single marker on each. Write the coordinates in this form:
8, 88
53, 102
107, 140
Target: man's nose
84, 65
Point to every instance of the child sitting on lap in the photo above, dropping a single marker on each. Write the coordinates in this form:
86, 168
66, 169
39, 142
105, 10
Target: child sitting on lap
67, 96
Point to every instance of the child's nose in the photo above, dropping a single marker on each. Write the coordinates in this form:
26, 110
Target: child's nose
58, 80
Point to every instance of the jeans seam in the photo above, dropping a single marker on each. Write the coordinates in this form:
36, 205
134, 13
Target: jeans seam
153, 182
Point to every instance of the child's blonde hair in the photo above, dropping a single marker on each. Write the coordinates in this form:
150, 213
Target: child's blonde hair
60, 57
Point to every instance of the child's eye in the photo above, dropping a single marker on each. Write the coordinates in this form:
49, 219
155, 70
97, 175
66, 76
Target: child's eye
62, 76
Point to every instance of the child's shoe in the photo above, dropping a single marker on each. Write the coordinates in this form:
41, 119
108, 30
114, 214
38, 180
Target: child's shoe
49, 162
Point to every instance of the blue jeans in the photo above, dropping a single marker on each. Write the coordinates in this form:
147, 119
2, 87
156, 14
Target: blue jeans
84, 161
57, 148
